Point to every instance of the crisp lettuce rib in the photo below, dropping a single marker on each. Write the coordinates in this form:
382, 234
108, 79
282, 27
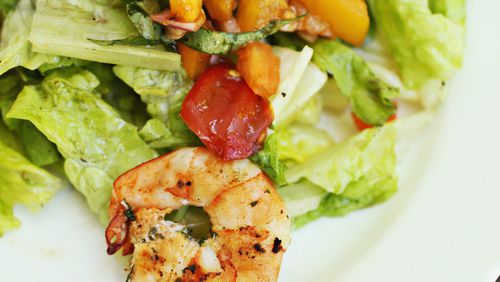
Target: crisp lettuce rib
97, 144
64, 27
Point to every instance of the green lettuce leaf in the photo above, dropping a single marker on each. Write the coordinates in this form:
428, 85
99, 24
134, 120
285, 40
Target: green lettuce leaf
299, 142
426, 45
268, 160
352, 166
369, 96
15, 49
301, 197
222, 43
69, 27
300, 81
97, 144
36, 147
7, 5
119, 95
138, 12
61, 62
9, 138
163, 92
356, 173
333, 205
22, 183
311, 111
452, 9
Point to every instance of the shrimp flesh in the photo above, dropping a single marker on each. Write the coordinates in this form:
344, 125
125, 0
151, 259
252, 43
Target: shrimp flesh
250, 226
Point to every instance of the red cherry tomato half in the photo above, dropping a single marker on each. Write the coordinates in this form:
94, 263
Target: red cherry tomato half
226, 114
361, 125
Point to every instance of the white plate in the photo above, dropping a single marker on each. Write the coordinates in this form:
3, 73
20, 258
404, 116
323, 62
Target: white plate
443, 225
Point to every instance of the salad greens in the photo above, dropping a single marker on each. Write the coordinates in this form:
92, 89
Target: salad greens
425, 43
163, 93
222, 43
15, 49
22, 183
55, 23
99, 85
138, 12
36, 147
96, 143
370, 97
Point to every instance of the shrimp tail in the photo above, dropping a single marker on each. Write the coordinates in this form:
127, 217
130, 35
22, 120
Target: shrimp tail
117, 235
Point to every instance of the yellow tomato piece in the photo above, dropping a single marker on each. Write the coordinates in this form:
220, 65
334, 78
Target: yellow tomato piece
220, 10
255, 14
260, 68
194, 62
348, 19
186, 10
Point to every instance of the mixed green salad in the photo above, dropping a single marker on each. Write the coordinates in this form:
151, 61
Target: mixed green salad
92, 88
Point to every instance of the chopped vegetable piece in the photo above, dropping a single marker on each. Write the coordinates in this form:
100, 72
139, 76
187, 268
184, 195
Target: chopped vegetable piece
220, 10
361, 125
194, 62
186, 10
263, 78
268, 160
255, 14
369, 96
142, 21
221, 43
348, 18
225, 114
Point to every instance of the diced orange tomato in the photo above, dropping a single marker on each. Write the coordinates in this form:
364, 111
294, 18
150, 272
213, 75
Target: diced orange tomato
255, 14
361, 125
220, 10
194, 62
260, 68
348, 19
186, 10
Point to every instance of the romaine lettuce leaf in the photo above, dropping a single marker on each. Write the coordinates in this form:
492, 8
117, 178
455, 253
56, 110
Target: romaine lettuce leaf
353, 166
357, 173
299, 82
369, 177
15, 49
9, 138
36, 147
268, 160
369, 96
163, 92
452, 9
6, 6
301, 197
138, 12
67, 28
21, 183
294, 143
119, 95
425, 45
333, 205
97, 144
298, 142
311, 111
61, 62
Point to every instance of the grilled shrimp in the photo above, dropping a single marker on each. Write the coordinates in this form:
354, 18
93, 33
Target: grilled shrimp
250, 226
